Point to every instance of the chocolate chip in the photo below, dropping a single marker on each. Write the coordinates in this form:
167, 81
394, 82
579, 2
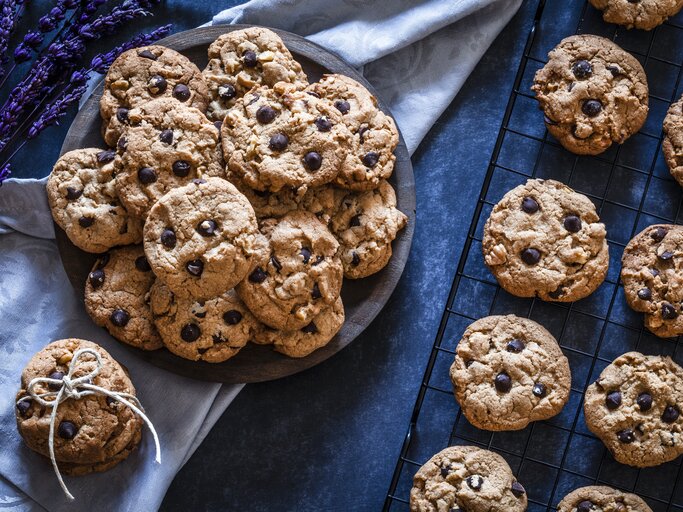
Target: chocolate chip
354, 221
370, 159
591, 108
278, 142
157, 84
86, 222
181, 92
207, 227
226, 92
218, 125
614, 69
67, 430
232, 317
276, 263
445, 472
24, 406
613, 400
557, 293
582, 69
266, 114
122, 143
313, 160
315, 293
249, 59
147, 175
73, 193
318, 260
666, 255
518, 489
190, 332
112, 402
529, 205
323, 124
96, 278
644, 401
539, 390
55, 376
361, 133
258, 275
645, 294
572, 223
166, 136
654, 272
119, 317
584, 506
310, 328
475, 482
147, 54
503, 382
142, 264
515, 346
181, 168
342, 105
195, 267
198, 181
626, 436
658, 234
106, 156
531, 256
305, 254
668, 311
168, 238
122, 114
670, 414
355, 259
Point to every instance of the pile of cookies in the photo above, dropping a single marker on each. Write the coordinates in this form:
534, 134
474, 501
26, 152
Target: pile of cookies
233, 200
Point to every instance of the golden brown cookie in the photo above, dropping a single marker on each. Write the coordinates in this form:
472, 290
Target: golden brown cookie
642, 14
600, 498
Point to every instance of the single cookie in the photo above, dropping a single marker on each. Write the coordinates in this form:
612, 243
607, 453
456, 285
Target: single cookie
143, 74
545, 240
651, 269
88, 431
211, 330
116, 297
318, 333
167, 145
374, 136
283, 137
508, 372
672, 145
600, 498
634, 408
202, 239
299, 278
466, 478
592, 93
642, 14
243, 59
84, 202
365, 224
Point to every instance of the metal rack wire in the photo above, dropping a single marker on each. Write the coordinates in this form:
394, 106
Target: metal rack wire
631, 188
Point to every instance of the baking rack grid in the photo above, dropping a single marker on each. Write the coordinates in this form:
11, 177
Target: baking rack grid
631, 188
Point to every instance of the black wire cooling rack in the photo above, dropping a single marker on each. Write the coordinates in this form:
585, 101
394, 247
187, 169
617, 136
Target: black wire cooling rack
631, 188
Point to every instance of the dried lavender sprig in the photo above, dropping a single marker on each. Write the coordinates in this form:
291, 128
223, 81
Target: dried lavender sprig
47, 23
8, 15
101, 62
4, 173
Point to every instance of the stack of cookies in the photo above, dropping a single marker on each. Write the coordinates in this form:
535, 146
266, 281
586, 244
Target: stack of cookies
233, 201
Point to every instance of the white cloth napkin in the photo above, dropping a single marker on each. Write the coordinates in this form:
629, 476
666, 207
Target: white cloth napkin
417, 54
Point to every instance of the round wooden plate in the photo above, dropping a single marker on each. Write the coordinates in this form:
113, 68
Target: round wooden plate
363, 299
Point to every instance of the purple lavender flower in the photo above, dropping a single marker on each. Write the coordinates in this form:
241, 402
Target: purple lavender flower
59, 107
4, 173
8, 16
47, 23
101, 62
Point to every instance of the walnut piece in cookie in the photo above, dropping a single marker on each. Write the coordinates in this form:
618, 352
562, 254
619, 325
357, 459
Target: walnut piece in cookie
374, 135
143, 74
596, 498
244, 59
544, 239
284, 137
116, 297
508, 372
672, 145
634, 408
85, 204
651, 267
466, 478
592, 93
641, 14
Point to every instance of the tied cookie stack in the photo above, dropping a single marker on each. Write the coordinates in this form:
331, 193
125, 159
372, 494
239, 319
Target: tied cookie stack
233, 201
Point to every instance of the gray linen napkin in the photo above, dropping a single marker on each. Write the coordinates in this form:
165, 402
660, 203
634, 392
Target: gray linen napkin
417, 54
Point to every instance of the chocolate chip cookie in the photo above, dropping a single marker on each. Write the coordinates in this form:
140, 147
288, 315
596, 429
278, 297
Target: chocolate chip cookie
202, 239
244, 59
373, 133
466, 478
650, 272
316, 334
299, 278
143, 74
543, 239
642, 14
600, 498
634, 408
92, 433
592, 93
116, 297
672, 145
284, 137
211, 330
365, 224
167, 145
508, 372
84, 202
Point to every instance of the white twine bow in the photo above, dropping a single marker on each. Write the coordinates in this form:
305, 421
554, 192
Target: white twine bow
78, 388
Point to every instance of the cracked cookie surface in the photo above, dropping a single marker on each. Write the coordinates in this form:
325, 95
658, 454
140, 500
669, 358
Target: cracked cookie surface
651, 267
600, 498
544, 239
672, 145
641, 14
85, 204
634, 408
508, 372
116, 297
592, 93
466, 478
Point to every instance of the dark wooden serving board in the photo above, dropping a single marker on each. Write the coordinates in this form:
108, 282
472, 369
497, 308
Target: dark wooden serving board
363, 299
